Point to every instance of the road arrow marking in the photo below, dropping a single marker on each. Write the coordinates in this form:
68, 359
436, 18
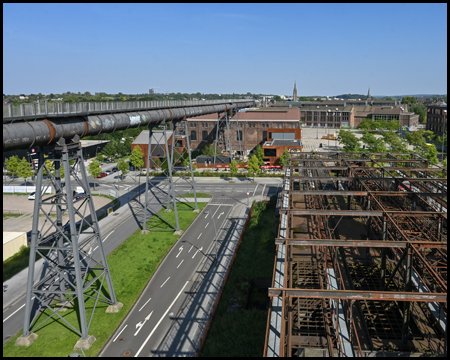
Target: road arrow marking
220, 215
181, 249
140, 325
197, 251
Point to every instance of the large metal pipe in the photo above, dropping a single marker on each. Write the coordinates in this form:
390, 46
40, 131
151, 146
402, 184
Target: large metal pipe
25, 134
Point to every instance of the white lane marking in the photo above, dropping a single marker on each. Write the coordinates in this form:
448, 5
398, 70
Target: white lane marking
107, 185
144, 304
190, 249
255, 189
206, 225
107, 236
95, 248
180, 263
264, 188
220, 215
120, 333
181, 249
206, 216
16, 311
199, 236
216, 210
162, 317
197, 251
141, 325
165, 282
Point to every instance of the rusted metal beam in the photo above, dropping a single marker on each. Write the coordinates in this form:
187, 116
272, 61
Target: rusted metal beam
360, 243
363, 212
334, 212
326, 192
379, 167
359, 295
351, 178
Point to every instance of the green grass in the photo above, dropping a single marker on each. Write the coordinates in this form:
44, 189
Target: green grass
237, 334
16, 263
132, 265
11, 215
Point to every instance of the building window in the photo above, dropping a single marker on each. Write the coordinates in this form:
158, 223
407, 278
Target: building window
264, 135
239, 135
204, 135
193, 135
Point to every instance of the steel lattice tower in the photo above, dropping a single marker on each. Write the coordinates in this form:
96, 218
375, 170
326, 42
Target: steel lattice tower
73, 272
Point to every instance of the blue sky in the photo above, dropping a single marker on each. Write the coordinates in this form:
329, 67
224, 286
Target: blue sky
329, 49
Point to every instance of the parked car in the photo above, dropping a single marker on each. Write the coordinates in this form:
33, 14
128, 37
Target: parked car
108, 172
32, 196
114, 169
101, 175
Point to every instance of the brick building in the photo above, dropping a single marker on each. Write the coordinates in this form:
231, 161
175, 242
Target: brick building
279, 140
158, 150
253, 127
436, 115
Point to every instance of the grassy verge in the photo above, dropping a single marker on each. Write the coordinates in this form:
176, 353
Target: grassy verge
241, 332
132, 264
5, 216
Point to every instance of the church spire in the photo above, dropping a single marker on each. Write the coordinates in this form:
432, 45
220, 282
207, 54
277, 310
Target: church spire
369, 98
295, 91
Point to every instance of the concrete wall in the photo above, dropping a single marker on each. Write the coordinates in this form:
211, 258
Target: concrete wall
12, 241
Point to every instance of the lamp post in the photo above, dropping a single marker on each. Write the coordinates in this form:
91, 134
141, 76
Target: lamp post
443, 135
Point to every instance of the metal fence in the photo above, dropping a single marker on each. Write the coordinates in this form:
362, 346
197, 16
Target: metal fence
52, 109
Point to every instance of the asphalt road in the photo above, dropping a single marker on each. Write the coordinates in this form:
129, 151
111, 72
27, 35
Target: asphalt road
224, 194
150, 318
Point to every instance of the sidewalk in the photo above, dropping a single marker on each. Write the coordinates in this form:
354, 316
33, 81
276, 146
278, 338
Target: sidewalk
184, 337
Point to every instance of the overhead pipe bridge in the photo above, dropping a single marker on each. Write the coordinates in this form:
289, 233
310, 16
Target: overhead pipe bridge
25, 134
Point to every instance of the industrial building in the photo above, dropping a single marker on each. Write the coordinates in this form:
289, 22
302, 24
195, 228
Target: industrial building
361, 264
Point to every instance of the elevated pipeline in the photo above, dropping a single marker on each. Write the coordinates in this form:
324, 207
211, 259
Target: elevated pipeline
25, 134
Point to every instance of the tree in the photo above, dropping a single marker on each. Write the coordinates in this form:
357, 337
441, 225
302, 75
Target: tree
349, 140
420, 110
136, 157
12, 164
366, 124
233, 168
409, 100
24, 170
210, 150
122, 165
284, 158
260, 155
99, 157
393, 125
396, 144
374, 145
421, 147
253, 166
380, 124
110, 150
94, 170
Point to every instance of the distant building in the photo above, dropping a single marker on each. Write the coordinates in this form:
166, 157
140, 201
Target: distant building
437, 118
151, 91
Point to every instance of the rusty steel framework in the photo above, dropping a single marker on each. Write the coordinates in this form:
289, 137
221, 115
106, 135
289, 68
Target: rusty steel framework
361, 264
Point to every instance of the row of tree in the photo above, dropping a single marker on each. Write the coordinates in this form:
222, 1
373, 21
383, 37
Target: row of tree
418, 139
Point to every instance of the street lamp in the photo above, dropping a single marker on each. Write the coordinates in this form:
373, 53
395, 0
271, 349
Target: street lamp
443, 135
215, 231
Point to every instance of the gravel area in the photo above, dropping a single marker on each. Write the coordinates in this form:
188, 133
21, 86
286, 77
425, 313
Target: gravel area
20, 203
